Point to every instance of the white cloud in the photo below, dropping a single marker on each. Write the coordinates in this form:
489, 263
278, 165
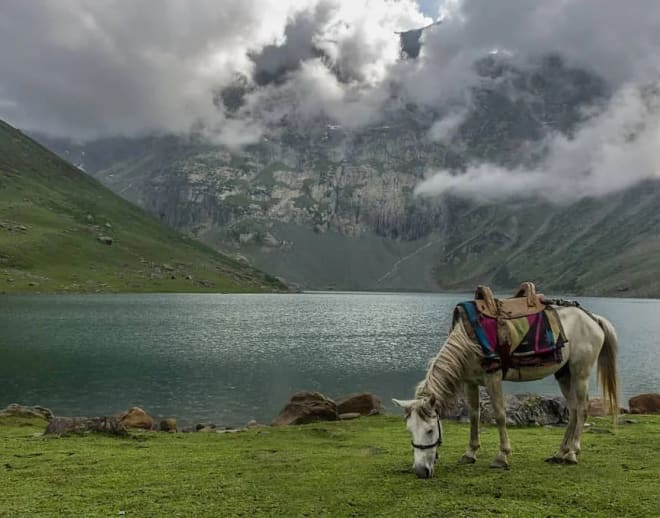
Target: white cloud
444, 128
610, 152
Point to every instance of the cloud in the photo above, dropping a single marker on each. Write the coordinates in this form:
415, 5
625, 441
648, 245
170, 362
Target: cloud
617, 42
443, 129
84, 69
235, 70
273, 62
430, 7
610, 152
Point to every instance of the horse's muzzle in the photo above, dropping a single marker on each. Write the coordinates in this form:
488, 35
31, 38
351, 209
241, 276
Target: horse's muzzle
423, 471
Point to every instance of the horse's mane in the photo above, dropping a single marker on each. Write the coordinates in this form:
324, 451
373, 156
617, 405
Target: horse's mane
444, 377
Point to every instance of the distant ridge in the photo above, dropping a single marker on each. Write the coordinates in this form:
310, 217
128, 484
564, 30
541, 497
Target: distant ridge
328, 207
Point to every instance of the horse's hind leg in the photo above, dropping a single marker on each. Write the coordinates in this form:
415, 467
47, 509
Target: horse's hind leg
580, 397
472, 397
564, 380
494, 387
576, 391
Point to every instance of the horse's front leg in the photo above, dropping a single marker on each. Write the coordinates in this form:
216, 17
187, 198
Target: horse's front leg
494, 388
472, 397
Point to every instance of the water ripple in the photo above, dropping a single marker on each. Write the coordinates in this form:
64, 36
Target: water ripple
230, 358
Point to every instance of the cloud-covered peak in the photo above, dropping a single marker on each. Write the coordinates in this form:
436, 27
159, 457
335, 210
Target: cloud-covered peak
234, 70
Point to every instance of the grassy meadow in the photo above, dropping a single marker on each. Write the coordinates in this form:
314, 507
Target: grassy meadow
353, 468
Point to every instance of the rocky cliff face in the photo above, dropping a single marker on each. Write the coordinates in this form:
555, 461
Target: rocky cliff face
327, 206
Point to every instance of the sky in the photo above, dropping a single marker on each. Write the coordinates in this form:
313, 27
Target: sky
86, 69
430, 8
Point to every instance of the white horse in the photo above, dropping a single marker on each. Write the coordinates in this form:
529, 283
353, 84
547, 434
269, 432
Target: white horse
589, 338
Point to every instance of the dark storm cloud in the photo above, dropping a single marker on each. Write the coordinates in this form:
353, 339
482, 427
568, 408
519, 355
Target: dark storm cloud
84, 68
273, 62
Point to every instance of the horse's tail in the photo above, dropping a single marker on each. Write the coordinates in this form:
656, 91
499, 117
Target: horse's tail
608, 376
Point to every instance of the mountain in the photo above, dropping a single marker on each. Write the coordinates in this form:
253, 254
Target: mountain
61, 230
331, 207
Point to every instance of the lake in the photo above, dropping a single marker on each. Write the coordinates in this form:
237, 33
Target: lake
227, 359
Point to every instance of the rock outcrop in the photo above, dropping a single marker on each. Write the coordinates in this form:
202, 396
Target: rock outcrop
362, 403
597, 408
644, 404
168, 425
80, 425
135, 417
307, 407
205, 427
521, 409
16, 410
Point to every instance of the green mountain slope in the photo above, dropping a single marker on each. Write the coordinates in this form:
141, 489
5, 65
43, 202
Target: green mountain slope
597, 246
56, 226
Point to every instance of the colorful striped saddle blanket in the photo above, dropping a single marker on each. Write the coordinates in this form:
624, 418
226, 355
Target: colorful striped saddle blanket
511, 343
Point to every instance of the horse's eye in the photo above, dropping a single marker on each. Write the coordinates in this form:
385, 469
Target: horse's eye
429, 432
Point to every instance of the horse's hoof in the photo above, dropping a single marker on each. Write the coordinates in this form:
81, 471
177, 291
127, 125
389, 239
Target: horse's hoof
499, 464
570, 458
466, 459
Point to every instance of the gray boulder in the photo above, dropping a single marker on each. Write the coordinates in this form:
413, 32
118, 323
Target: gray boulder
80, 425
530, 409
521, 409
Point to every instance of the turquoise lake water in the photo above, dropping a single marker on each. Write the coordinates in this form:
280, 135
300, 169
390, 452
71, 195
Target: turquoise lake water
227, 359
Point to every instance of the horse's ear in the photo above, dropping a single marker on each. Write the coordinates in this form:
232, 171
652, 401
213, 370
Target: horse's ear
406, 404
430, 402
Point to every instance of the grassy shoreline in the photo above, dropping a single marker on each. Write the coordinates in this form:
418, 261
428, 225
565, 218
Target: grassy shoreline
354, 468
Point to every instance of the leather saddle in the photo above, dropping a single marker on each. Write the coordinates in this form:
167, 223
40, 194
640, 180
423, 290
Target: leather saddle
524, 302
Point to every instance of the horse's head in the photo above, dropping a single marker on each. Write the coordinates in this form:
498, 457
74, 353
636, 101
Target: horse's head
423, 423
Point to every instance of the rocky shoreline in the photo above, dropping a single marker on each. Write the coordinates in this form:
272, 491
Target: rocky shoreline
311, 407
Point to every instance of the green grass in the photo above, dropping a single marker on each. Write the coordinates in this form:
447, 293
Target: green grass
355, 468
51, 215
